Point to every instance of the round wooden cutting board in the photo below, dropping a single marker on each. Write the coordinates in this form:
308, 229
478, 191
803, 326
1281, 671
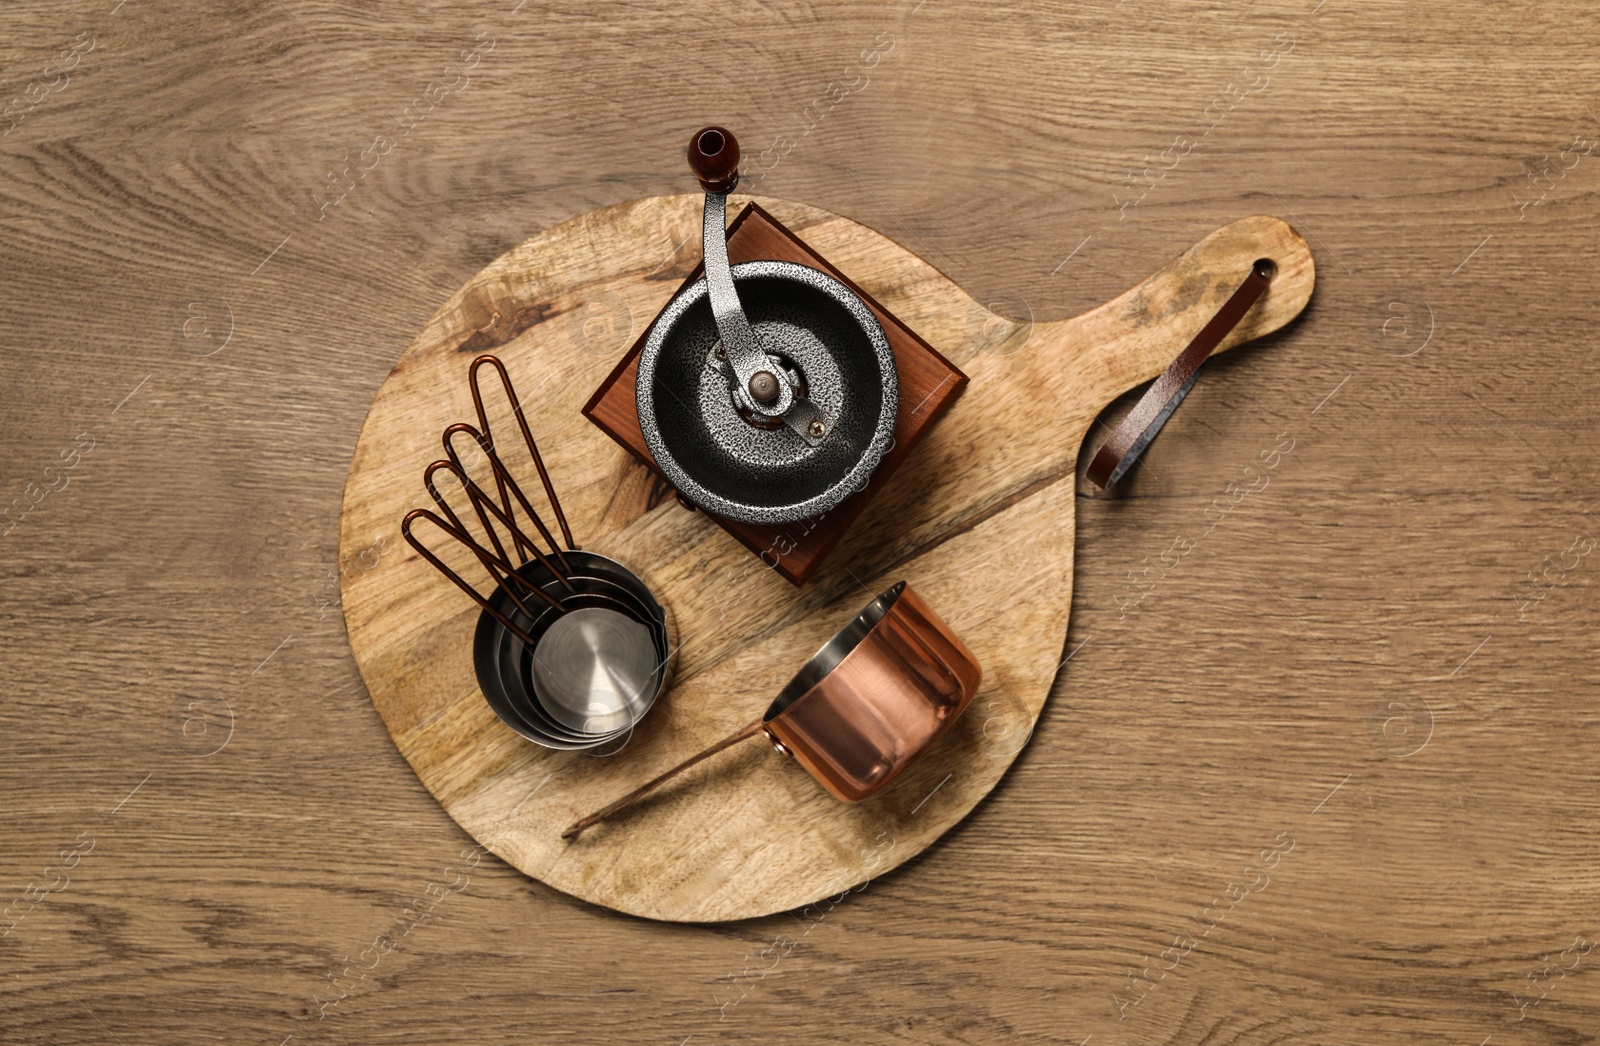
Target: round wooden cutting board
979, 520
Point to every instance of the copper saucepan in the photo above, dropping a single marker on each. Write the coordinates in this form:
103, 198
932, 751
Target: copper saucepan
866, 706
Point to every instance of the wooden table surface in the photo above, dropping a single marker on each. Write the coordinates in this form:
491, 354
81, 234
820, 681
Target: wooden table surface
1315, 770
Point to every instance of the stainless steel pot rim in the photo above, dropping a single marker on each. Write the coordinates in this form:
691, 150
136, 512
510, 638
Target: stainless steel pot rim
828, 656
851, 481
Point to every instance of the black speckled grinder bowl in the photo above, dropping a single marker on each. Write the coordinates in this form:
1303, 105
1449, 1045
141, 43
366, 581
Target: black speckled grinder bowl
831, 346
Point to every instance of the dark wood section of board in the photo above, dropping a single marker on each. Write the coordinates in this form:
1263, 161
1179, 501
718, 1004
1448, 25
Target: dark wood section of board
929, 384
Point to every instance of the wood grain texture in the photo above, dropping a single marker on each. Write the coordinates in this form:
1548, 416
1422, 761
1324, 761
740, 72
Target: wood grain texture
1365, 623
979, 523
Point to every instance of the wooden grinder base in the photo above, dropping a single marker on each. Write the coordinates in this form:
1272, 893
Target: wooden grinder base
979, 520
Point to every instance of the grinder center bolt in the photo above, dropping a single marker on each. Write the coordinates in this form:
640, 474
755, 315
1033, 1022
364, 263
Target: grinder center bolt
763, 386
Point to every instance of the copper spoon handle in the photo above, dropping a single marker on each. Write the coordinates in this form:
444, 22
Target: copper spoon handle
750, 730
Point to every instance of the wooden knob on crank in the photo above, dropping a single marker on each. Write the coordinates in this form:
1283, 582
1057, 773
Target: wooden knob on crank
714, 158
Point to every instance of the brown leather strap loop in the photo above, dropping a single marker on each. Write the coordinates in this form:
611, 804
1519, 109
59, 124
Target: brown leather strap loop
1118, 453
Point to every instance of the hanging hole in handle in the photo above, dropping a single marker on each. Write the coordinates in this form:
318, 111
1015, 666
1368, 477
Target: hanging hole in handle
1266, 268
710, 142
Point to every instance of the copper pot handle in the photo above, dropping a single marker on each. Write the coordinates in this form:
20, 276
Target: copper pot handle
746, 731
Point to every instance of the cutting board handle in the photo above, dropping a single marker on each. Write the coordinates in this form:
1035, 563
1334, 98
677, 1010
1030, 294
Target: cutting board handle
1091, 359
